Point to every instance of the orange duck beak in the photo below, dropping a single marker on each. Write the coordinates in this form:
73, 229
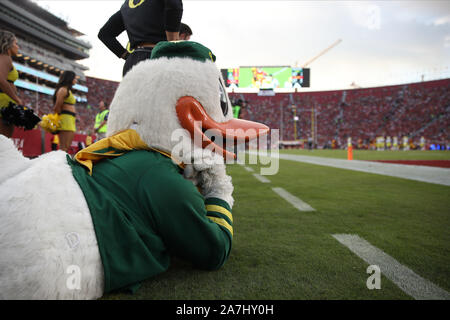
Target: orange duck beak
194, 119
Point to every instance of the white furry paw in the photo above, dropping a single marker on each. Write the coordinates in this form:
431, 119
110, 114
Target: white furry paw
191, 174
207, 171
215, 183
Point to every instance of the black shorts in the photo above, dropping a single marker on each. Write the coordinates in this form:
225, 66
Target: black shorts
134, 58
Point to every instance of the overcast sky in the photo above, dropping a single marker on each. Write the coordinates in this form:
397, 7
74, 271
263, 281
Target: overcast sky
383, 42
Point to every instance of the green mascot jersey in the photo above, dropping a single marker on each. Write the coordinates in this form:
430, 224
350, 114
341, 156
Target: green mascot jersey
144, 211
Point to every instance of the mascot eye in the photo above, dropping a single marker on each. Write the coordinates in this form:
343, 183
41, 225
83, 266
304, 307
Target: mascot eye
223, 99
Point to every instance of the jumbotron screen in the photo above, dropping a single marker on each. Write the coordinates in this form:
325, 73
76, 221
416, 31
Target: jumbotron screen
266, 77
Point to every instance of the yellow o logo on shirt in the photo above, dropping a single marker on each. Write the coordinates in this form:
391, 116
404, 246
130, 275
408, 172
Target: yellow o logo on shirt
129, 48
132, 5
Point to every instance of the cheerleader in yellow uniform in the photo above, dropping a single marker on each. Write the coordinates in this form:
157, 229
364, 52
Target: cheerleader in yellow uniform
8, 74
65, 106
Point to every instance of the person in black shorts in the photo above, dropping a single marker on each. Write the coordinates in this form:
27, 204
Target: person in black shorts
146, 22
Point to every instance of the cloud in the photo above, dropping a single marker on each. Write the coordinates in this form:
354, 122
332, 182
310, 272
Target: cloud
428, 13
447, 41
366, 15
442, 20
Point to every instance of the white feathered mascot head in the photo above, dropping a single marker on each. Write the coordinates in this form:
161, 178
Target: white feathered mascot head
177, 96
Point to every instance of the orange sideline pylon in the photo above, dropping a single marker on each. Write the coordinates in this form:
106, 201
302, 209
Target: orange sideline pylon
350, 153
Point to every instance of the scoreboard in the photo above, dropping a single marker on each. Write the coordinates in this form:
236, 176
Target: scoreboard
267, 77
300, 77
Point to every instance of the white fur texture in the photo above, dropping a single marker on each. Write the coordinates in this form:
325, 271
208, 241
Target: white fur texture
45, 230
13, 159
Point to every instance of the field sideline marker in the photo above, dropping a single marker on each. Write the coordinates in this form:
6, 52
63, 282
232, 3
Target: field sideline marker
249, 169
434, 175
296, 202
406, 279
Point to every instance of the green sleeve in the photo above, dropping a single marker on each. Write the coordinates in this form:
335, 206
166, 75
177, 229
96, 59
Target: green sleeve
191, 228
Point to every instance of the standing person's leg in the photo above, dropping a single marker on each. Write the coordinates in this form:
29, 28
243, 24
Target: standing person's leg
6, 129
137, 56
65, 140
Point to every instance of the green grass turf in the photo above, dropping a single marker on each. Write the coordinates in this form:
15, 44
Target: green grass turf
281, 253
373, 155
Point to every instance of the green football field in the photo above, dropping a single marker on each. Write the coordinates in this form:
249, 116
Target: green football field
280, 252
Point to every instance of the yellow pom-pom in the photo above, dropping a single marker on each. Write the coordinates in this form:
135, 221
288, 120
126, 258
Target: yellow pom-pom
50, 122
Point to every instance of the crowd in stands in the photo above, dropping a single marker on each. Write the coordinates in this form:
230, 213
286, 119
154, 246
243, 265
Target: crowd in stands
100, 89
412, 110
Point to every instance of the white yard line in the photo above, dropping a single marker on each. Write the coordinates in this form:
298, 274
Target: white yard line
418, 173
406, 279
249, 169
261, 178
296, 202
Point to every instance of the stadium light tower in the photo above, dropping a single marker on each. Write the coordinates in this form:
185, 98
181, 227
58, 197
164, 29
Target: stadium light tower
294, 110
314, 112
314, 124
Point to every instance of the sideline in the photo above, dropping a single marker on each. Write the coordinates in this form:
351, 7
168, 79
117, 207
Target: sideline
418, 173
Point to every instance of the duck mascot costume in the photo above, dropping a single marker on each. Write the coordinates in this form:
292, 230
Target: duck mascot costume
155, 187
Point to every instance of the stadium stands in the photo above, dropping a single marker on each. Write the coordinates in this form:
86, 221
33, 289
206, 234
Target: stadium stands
417, 109
100, 89
414, 110
47, 47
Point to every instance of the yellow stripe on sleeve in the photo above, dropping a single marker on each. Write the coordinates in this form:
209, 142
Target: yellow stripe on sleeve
222, 210
223, 223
